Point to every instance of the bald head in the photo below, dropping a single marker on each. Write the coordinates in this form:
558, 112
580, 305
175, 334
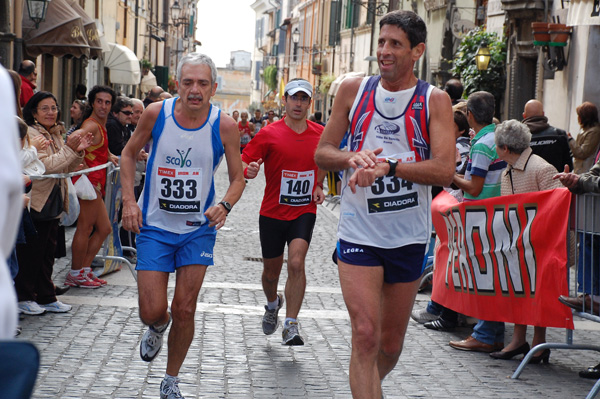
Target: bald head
154, 93
533, 108
27, 70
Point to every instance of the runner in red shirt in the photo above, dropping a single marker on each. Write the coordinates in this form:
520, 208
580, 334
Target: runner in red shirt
288, 211
246, 130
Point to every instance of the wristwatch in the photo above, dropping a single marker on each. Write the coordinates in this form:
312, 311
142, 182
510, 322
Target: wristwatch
226, 205
393, 163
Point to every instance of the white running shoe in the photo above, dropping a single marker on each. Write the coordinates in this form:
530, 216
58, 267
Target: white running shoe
152, 342
56, 307
31, 308
169, 389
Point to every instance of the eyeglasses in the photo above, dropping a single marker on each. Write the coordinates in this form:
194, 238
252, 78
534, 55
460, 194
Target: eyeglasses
46, 109
302, 99
127, 112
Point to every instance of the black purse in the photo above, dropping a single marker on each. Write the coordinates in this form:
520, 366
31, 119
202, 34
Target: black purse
53, 207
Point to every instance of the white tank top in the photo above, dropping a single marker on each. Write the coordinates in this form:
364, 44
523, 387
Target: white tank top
179, 184
393, 212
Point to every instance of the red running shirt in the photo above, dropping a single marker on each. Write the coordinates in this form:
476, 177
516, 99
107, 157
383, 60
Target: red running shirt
289, 167
247, 133
97, 155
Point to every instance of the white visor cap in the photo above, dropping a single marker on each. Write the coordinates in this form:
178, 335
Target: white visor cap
295, 86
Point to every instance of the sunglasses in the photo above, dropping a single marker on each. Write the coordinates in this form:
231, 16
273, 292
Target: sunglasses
129, 113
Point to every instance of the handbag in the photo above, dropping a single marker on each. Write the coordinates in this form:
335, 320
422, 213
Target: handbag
52, 208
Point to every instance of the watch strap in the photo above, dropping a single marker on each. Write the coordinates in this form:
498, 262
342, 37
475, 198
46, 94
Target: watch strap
226, 205
393, 163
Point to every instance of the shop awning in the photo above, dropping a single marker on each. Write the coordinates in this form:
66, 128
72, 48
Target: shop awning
148, 82
90, 31
123, 64
60, 34
583, 12
335, 85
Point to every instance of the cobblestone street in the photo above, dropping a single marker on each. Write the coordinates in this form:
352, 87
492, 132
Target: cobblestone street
93, 351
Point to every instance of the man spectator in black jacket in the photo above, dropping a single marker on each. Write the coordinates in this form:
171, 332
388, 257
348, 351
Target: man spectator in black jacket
547, 141
116, 125
455, 89
318, 117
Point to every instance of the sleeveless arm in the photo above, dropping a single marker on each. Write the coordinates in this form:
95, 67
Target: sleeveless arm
439, 169
141, 136
328, 155
132, 214
231, 142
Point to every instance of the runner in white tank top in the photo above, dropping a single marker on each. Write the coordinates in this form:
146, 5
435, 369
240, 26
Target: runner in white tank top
178, 217
385, 202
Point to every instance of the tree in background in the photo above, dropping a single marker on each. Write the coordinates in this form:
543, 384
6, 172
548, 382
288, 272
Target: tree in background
493, 79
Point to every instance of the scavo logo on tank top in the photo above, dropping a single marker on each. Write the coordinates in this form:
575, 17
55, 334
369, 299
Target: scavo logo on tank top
180, 160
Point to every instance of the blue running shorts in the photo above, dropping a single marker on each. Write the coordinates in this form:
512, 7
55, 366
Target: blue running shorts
400, 265
163, 251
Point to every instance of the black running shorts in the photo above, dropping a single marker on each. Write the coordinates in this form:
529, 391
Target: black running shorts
274, 233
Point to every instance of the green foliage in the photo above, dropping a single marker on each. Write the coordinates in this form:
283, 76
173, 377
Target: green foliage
145, 64
493, 79
270, 76
326, 81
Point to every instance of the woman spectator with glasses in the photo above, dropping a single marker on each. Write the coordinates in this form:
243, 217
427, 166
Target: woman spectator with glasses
34, 286
525, 173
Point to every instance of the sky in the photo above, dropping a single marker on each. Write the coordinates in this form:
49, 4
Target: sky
225, 26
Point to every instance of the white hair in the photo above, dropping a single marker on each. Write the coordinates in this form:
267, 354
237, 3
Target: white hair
197, 59
138, 102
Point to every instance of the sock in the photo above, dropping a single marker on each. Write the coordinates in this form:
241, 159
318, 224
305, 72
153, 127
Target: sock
289, 320
87, 270
172, 377
161, 327
75, 273
273, 305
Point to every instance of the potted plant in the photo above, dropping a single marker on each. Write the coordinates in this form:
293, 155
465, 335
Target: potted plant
270, 76
146, 66
559, 34
541, 37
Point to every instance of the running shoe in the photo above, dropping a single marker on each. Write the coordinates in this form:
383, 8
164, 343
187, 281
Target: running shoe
152, 343
169, 389
269, 320
56, 307
95, 278
31, 307
290, 334
81, 280
423, 316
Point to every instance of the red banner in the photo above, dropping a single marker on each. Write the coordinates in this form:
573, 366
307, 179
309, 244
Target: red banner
504, 258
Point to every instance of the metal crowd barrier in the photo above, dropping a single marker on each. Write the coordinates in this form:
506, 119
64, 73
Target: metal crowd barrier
583, 277
111, 251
